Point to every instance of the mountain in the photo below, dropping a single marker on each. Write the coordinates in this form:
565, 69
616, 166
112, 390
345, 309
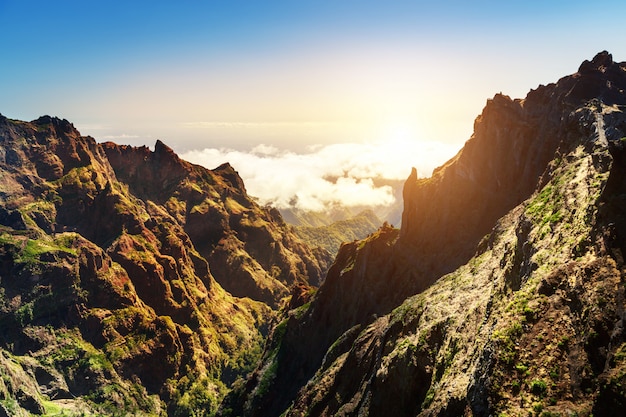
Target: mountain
390, 214
502, 293
131, 281
332, 236
249, 248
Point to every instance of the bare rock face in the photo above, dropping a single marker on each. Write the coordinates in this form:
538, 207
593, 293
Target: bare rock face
503, 293
109, 257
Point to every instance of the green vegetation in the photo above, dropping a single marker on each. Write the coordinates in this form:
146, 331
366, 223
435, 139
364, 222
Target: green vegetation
554, 373
506, 341
521, 369
267, 377
197, 396
545, 208
10, 405
29, 250
73, 350
408, 311
538, 387
428, 399
332, 236
244, 361
24, 314
563, 344
117, 400
80, 178
299, 312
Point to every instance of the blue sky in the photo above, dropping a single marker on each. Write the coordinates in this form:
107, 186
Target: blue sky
231, 71
293, 76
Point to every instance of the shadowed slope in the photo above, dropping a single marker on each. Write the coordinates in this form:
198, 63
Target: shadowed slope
544, 160
105, 283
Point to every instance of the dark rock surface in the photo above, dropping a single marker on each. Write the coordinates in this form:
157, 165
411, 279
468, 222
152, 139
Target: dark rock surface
494, 322
113, 264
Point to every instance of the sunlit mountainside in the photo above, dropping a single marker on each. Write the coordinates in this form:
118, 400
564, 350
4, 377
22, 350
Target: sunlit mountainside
133, 282
115, 262
501, 294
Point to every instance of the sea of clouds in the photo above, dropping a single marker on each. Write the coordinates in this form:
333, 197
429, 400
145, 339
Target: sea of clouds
326, 176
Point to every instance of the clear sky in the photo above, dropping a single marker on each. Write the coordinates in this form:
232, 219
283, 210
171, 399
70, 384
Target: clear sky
292, 74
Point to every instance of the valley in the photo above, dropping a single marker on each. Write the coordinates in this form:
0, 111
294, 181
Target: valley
133, 282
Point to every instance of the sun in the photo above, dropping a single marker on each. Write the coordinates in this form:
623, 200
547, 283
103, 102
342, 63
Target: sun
400, 136
403, 145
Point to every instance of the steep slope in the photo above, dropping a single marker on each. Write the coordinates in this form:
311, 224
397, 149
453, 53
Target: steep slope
526, 227
250, 249
105, 289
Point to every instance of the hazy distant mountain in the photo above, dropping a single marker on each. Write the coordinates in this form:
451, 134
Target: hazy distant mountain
331, 237
391, 214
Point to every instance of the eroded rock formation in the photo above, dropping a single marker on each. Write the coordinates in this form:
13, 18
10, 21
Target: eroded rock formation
502, 294
109, 261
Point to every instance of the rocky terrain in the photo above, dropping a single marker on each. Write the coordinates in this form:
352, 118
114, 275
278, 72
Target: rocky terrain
503, 292
132, 282
135, 283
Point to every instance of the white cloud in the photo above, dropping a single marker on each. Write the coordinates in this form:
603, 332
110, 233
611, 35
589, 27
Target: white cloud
121, 136
328, 175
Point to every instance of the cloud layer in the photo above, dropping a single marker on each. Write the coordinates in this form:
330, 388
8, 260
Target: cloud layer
326, 176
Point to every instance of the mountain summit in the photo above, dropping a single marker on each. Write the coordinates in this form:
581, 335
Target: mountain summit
114, 262
503, 292
135, 283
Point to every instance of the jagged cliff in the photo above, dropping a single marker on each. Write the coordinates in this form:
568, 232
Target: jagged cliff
503, 292
250, 249
113, 264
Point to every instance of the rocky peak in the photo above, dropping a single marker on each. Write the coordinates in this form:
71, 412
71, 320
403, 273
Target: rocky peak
526, 200
228, 172
600, 79
166, 157
113, 253
57, 126
150, 174
162, 148
600, 62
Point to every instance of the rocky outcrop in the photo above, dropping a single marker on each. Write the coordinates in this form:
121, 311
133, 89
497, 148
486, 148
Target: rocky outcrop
109, 257
511, 257
251, 251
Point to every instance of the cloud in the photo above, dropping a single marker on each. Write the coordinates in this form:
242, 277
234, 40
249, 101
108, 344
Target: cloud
253, 125
328, 175
121, 136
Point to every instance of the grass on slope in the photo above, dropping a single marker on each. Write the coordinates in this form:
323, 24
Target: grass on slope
332, 236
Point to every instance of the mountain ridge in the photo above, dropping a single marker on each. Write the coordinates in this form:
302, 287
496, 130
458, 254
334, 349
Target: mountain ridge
111, 257
526, 195
332, 236
133, 282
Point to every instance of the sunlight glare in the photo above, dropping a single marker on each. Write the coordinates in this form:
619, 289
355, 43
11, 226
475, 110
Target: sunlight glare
403, 145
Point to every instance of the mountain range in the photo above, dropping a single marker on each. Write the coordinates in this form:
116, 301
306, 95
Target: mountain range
131, 280
501, 294
135, 283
